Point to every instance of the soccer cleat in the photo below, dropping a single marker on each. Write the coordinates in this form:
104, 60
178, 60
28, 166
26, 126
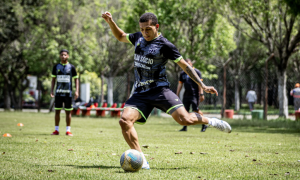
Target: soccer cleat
68, 133
55, 133
146, 166
204, 128
220, 125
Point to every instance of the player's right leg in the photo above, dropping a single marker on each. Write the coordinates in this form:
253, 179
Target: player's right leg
57, 119
58, 107
128, 118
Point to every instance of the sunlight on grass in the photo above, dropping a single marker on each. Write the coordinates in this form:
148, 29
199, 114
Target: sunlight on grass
254, 150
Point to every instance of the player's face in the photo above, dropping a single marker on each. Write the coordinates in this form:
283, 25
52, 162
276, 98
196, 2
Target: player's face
149, 31
64, 56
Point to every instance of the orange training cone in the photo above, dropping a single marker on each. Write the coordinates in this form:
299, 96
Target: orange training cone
7, 135
20, 124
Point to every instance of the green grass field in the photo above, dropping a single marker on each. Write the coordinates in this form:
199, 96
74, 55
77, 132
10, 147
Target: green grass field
254, 150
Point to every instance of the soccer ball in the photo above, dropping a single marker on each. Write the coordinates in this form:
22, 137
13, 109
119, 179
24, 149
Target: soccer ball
131, 160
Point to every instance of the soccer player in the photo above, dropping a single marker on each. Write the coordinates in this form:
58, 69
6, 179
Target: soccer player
192, 94
63, 72
152, 51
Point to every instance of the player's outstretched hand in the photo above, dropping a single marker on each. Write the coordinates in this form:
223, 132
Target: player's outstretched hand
52, 94
107, 17
211, 90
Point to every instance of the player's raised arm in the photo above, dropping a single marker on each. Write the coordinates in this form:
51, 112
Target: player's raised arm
194, 76
118, 33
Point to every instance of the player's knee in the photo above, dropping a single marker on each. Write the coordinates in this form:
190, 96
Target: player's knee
125, 122
186, 120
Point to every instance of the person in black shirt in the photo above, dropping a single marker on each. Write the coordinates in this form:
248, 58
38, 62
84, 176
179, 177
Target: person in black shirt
63, 72
151, 87
192, 94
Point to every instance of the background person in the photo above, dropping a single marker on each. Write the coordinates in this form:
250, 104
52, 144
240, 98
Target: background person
152, 89
296, 95
251, 97
63, 72
192, 94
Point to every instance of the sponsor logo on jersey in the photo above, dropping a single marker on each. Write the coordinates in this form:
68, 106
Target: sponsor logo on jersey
62, 91
145, 83
63, 78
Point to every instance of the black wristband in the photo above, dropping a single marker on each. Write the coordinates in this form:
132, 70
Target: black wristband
201, 94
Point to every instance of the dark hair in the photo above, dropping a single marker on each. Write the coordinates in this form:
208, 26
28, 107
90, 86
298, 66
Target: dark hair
63, 50
149, 16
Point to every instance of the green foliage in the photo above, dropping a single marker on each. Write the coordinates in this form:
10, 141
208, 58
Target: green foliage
193, 26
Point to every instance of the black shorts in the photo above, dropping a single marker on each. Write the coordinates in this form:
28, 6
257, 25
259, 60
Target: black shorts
162, 98
59, 100
192, 100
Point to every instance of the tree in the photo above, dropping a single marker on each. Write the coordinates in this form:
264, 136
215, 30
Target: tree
270, 23
15, 17
112, 56
245, 57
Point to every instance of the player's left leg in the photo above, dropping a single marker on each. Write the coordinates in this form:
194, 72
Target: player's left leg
170, 103
68, 121
182, 117
58, 106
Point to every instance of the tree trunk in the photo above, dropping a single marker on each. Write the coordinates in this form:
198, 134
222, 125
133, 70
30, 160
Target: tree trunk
20, 99
102, 84
266, 87
7, 100
110, 90
224, 93
259, 93
283, 104
237, 94
39, 86
266, 91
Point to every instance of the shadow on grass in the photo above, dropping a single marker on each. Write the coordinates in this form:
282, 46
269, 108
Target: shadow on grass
97, 167
113, 167
44, 134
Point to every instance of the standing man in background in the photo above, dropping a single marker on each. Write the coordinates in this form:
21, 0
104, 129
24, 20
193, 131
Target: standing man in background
296, 95
192, 94
64, 72
251, 97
